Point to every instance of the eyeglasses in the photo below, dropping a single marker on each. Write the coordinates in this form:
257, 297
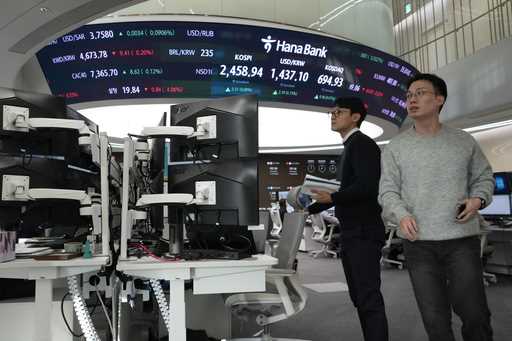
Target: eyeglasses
418, 94
337, 113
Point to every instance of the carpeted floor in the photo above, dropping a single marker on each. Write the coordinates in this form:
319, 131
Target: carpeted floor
330, 316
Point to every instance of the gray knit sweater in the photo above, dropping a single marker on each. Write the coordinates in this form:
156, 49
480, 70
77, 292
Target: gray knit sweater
428, 176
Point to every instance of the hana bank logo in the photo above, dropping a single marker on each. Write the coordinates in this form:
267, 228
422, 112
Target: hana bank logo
286, 47
268, 43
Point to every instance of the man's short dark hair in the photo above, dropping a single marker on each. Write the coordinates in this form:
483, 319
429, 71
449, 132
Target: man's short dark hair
355, 104
438, 84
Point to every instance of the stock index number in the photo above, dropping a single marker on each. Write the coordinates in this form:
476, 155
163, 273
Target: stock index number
241, 71
103, 34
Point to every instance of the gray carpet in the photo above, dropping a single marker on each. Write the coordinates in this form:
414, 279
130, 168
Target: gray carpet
330, 316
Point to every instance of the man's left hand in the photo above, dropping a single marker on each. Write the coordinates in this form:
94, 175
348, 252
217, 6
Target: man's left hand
322, 197
472, 207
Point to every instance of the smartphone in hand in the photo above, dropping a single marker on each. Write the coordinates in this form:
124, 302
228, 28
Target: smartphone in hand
460, 209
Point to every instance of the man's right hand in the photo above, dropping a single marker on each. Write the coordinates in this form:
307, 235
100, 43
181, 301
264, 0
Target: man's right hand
409, 228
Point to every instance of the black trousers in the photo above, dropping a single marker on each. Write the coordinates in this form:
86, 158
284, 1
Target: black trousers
447, 275
360, 256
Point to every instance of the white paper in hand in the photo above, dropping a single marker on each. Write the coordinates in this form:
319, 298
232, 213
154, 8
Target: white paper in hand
319, 184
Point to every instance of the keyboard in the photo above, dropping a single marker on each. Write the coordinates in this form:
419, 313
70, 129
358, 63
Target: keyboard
195, 254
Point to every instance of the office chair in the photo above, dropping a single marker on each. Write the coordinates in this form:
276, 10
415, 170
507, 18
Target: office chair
277, 224
391, 242
289, 299
485, 250
322, 236
261, 235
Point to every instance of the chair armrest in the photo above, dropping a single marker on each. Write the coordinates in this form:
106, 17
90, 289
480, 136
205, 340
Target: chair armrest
252, 298
271, 247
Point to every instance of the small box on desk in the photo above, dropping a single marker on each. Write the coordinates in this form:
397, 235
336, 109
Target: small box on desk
7, 246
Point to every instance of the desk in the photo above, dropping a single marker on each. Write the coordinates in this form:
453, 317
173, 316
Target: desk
210, 277
44, 272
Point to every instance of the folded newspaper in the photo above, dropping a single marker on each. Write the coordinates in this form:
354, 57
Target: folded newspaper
319, 184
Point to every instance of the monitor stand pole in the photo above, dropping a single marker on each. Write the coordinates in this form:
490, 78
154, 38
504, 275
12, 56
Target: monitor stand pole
176, 235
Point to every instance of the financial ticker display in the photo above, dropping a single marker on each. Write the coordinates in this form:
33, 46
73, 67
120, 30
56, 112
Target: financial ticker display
182, 59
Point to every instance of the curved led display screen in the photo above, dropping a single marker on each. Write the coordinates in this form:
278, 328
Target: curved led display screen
182, 59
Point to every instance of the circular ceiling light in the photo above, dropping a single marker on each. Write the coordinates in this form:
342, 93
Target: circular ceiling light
290, 128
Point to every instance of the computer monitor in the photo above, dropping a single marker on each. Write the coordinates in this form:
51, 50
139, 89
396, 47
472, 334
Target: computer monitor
224, 223
50, 158
499, 207
235, 191
61, 143
236, 126
31, 218
503, 183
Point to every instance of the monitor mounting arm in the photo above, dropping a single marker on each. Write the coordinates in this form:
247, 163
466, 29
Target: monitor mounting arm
17, 119
206, 129
16, 188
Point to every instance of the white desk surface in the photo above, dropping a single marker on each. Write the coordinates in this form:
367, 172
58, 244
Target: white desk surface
50, 269
148, 263
32, 263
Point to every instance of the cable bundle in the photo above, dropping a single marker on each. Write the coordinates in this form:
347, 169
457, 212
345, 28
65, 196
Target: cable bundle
162, 302
84, 318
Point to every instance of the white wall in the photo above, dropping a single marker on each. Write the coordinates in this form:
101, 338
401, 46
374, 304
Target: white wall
497, 147
479, 85
31, 78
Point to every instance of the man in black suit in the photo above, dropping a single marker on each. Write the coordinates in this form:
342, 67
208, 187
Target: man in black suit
357, 209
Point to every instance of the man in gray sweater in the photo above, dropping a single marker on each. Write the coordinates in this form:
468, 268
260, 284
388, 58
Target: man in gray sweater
434, 180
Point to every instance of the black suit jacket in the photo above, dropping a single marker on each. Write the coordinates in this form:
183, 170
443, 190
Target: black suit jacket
356, 203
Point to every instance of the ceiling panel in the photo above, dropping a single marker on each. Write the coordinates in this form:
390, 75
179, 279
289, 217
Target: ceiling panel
35, 26
13, 9
262, 10
297, 12
346, 18
150, 7
211, 7
326, 6
23, 23
28, 22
